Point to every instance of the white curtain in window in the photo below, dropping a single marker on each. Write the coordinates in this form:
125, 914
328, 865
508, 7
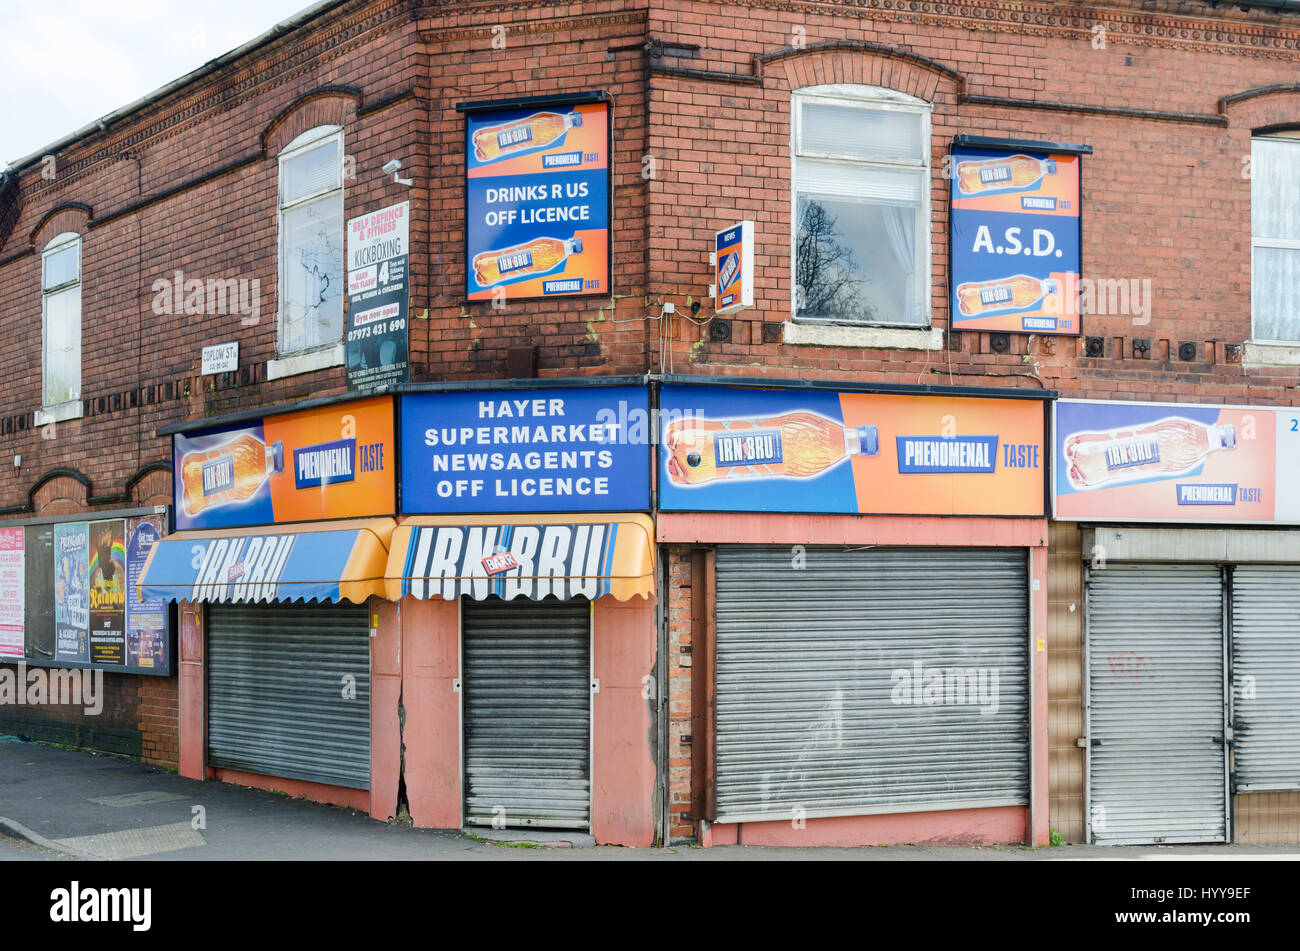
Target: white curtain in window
62, 346
310, 173
900, 228
872, 134
1275, 189
1276, 293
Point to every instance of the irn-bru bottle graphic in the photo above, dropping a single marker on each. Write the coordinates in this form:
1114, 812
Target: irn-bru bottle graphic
1165, 447
796, 445
232, 472
1008, 293
1016, 171
519, 135
536, 257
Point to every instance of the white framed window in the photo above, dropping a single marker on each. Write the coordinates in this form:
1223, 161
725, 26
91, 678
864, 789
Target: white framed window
1275, 238
61, 322
860, 222
311, 241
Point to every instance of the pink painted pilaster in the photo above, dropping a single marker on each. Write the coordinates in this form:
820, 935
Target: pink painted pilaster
191, 718
385, 695
430, 666
622, 764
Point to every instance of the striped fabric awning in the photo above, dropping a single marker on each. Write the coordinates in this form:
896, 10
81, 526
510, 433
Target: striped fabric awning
528, 556
320, 561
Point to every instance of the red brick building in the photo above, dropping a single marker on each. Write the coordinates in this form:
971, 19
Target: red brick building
1180, 102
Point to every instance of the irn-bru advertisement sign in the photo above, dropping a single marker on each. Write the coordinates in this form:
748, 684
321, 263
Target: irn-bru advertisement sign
725, 449
333, 462
537, 201
1174, 462
1015, 240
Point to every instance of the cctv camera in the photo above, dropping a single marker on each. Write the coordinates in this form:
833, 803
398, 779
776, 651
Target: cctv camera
391, 166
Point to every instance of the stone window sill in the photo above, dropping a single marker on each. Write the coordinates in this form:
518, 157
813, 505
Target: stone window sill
1270, 354
305, 362
870, 338
57, 414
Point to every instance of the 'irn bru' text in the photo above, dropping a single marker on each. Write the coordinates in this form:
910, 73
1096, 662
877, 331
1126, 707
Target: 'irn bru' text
519, 135
1133, 452
755, 448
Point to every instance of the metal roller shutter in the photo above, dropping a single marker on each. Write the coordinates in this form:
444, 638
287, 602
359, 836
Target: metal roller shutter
1266, 676
276, 703
1156, 704
815, 667
527, 712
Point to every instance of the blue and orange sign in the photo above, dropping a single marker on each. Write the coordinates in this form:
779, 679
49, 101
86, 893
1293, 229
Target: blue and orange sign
1015, 240
537, 201
1175, 462
733, 268
727, 449
332, 462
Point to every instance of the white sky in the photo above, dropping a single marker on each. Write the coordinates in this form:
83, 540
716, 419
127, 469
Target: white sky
65, 63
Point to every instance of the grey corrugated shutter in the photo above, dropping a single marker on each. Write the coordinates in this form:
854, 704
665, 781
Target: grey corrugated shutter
1266, 676
1155, 704
276, 703
815, 667
527, 710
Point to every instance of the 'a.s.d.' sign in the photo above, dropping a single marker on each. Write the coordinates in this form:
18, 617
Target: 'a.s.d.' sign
1015, 237
726, 449
537, 198
1174, 462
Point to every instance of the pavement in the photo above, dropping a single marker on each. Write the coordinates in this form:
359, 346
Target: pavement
65, 805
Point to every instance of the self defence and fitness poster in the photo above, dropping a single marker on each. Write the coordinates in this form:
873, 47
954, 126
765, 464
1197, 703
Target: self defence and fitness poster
1015, 240
537, 201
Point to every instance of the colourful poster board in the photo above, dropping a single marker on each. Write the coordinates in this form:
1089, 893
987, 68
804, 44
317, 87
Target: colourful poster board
728, 449
332, 462
71, 592
1174, 462
1015, 240
107, 592
537, 201
146, 620
12, 592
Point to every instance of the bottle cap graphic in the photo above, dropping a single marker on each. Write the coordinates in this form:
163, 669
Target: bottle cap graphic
576, 244
868, 440
277, 455
1050, 166
1227, 436
575, 119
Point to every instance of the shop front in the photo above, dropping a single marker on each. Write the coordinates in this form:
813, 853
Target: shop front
1191, 629
863, 577
525, 578
284, 526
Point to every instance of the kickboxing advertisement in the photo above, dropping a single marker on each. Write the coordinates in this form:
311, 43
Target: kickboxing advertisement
1015, 238
537, 200
725, 449
335, 462
375, 340
1174, 462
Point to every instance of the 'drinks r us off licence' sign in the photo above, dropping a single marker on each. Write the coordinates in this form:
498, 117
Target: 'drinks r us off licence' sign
537, 200
1015, 239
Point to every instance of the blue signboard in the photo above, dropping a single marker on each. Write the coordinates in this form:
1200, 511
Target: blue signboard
730, 449
1015, 240
537, 201
547, 450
